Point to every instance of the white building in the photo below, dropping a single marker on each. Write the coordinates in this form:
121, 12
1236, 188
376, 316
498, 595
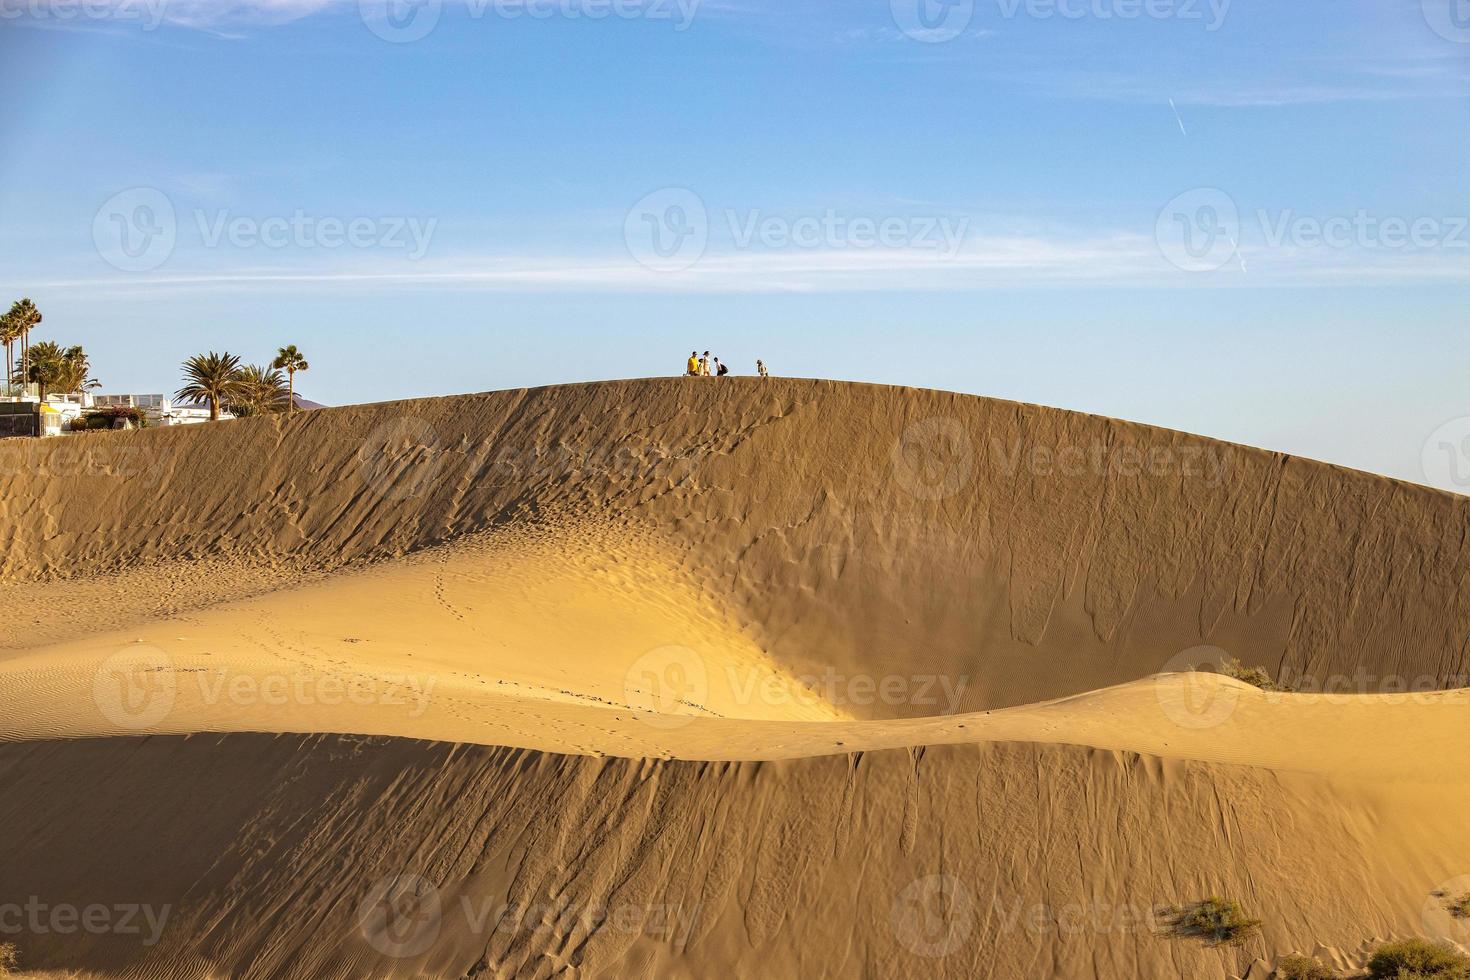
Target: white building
159, 408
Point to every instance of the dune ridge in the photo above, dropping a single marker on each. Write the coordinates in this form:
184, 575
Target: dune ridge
799, 678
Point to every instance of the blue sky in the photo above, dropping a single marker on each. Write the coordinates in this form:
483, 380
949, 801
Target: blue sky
1247, 219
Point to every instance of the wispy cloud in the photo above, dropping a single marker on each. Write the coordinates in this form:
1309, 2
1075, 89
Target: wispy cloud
1124, 260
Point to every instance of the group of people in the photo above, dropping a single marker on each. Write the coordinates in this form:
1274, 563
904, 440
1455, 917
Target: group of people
707, 366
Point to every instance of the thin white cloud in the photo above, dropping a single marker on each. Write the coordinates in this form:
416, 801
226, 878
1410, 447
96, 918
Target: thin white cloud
1132, 261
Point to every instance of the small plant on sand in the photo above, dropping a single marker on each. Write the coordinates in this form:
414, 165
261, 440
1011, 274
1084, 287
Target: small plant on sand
1302, 968
9, 959
1458, 907
1218, 921
1418, 959
1254, 676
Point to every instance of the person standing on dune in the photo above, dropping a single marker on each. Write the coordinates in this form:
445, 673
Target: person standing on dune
721, 369
693, 369
704, 365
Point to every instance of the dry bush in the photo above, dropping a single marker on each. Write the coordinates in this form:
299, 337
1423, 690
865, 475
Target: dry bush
1218, 921
1418, 959
1302, 968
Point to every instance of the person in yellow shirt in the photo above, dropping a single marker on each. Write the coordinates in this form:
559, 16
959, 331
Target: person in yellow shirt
693, 369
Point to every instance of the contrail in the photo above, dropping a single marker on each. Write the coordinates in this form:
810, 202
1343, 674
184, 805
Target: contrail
1177, 117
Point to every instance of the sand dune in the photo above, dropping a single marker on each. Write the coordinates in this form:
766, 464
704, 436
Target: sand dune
727, 678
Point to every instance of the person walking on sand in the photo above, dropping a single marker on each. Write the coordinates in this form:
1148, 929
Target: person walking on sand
721, 369
693, 369
704, 365
760, 368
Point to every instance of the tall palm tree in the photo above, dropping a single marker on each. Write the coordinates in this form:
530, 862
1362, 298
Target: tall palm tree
9, 334
258, 390
290, 360
210, 377
26, 318
59, 369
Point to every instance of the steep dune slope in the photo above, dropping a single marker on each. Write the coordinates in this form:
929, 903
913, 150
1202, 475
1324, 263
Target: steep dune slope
329, 857
854, 528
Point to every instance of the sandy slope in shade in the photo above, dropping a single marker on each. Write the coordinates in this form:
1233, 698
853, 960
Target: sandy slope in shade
622, 646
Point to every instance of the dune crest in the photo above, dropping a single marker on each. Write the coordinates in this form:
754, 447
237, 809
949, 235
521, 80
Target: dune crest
687, 677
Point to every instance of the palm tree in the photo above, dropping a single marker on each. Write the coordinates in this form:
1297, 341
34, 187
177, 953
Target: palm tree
25, 317
9, 334
258, 391
58, 369
211, 377
290, 360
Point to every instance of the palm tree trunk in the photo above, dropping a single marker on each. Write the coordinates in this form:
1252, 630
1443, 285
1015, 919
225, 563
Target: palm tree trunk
291, 398
214, 408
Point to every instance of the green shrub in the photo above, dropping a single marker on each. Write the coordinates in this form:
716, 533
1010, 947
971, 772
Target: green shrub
1302, 968
1218, 921
1418, 959
1254, 676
